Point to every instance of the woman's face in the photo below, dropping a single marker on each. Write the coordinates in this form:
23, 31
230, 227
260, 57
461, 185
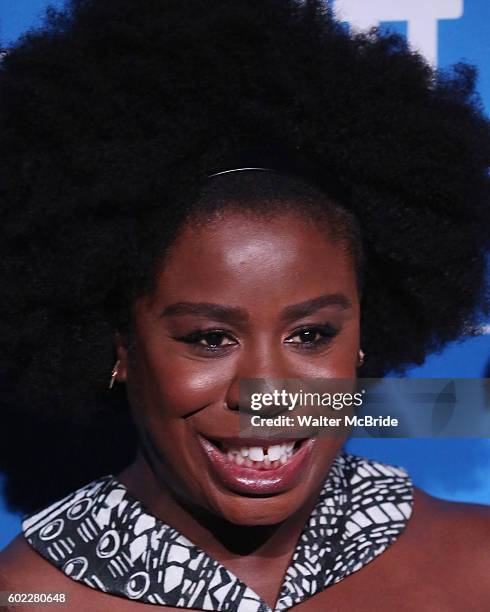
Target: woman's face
239, 297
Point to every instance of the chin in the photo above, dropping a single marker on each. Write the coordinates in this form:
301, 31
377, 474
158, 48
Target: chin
250, 512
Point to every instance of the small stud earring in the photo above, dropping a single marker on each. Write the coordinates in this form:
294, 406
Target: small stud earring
360, 360
115, 371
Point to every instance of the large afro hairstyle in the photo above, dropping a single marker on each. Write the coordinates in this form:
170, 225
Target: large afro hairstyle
112, 114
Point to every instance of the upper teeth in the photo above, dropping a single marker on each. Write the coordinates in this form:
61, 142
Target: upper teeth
262, 453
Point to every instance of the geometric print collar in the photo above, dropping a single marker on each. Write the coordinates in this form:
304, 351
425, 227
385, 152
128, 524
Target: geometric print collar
104, 538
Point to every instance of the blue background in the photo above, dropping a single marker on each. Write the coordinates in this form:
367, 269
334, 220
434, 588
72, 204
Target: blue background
453, 469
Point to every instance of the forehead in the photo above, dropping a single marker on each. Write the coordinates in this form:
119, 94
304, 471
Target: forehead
244, 257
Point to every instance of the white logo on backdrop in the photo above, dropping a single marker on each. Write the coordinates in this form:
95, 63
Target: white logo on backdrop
421, 16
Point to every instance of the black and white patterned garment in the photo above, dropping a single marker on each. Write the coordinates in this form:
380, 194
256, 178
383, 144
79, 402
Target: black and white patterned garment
103, 537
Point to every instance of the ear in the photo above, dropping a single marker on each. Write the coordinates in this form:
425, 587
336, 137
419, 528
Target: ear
121, 345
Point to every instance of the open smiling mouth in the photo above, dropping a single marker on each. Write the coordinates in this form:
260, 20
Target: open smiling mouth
257, 467
259, 457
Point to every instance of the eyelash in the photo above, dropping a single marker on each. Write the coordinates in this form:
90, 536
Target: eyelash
198, 335
326, 331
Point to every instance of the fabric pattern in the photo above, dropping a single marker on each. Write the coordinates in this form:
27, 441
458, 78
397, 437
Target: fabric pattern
103, 537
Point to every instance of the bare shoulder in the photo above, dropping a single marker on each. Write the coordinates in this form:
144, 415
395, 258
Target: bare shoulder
23, 570
20, 565
456, 536
469, 524
439, 562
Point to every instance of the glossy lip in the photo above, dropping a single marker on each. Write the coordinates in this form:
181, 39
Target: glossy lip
248, 481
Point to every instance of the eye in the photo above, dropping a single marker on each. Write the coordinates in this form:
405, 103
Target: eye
311, 337
209, 340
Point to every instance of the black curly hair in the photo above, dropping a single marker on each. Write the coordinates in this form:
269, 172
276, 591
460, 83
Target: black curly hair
112, 115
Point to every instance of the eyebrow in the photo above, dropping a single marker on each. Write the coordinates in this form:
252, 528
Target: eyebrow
236, 315
304, 309
230, 314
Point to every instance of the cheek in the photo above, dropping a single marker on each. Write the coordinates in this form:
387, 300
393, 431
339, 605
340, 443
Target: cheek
164, 384
344, 361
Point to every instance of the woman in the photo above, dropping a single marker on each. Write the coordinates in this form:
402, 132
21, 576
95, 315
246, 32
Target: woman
197, 195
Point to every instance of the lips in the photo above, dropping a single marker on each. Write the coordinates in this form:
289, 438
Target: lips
250, 467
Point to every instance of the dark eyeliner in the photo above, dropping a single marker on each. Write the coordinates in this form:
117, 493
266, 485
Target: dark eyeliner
195, 337
327, 331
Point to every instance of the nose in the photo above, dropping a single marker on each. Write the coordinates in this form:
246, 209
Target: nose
259, 365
